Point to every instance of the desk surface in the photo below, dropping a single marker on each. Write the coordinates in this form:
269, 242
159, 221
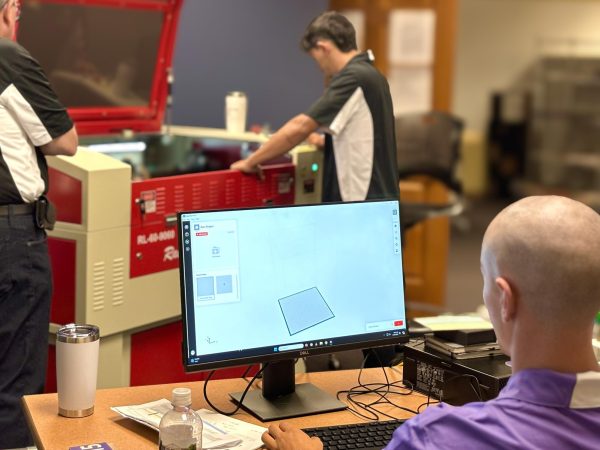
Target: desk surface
52, 431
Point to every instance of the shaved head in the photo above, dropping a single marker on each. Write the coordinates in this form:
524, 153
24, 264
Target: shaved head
548, 249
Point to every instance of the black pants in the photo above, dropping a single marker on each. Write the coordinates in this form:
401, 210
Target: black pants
25, 291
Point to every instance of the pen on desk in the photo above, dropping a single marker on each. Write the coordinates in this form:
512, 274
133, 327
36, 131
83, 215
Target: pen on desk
214, 427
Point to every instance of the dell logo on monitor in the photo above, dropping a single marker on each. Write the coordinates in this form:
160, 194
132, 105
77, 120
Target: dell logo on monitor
304, 353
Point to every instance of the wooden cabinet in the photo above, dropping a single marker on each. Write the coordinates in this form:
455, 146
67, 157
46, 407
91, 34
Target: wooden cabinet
425, 249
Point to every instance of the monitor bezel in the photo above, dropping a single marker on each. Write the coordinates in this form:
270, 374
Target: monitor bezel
290, 354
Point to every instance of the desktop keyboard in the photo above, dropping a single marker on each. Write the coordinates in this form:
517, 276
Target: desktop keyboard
364, 436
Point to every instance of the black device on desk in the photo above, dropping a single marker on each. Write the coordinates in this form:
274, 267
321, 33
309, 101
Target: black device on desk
454, 381
417, 329
269, 285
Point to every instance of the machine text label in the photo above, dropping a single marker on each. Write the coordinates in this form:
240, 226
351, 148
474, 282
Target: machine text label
151, 238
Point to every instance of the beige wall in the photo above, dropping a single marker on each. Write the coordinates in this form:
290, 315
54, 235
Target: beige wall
499, 39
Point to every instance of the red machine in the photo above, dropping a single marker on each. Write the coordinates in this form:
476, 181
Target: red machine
114, 249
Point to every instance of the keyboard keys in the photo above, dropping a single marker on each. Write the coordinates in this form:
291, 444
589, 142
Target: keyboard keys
369, 435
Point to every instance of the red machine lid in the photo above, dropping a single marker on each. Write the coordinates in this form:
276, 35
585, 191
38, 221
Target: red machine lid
108, 60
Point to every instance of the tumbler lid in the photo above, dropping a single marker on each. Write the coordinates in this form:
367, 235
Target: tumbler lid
78, 334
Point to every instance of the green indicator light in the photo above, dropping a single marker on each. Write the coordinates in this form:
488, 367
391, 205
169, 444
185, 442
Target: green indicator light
314, 167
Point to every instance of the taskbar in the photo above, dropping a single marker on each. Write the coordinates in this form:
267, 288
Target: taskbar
297, 346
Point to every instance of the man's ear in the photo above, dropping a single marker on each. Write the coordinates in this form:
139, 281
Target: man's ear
6, 23
508, 300
324, 45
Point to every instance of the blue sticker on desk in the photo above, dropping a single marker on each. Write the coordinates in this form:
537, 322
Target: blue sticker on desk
98, 446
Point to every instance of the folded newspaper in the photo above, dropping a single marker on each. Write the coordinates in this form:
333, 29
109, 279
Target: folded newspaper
219, 431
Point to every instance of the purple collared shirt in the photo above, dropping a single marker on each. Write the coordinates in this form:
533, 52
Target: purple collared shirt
538, 409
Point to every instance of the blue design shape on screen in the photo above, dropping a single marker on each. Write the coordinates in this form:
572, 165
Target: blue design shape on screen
224, 284
205, 286
304, 310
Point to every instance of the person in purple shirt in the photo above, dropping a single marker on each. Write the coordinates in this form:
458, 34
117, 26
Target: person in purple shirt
540, 262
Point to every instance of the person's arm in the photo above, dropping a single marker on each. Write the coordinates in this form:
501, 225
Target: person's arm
284, 436
35, 106
65, 144
287, 137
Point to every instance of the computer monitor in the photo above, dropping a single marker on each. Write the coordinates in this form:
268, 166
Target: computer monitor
273, 284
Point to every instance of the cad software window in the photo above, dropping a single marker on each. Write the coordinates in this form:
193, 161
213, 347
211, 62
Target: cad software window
279, 276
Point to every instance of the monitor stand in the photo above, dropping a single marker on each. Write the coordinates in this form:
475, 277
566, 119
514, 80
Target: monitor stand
281, 398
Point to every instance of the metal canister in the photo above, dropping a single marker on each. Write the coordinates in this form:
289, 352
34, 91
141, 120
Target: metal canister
236, 107
77, 348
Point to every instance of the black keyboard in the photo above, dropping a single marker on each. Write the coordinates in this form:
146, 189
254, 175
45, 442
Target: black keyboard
369, 435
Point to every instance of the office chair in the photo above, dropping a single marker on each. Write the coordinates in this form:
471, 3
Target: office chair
429, 144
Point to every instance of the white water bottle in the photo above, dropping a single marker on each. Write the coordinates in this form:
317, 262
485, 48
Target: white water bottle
181, 427
236, 107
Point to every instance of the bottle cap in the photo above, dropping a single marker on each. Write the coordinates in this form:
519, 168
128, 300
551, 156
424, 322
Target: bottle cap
598, 318
182, 397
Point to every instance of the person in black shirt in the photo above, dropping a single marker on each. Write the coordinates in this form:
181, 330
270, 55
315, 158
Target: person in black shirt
355, 112
33, 124
357, 116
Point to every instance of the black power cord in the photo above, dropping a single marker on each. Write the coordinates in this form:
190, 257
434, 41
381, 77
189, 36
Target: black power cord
384, 392
239, 405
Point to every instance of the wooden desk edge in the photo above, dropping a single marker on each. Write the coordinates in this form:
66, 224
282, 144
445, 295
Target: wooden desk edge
52, 431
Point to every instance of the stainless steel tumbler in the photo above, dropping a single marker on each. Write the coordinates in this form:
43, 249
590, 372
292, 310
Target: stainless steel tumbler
77, 348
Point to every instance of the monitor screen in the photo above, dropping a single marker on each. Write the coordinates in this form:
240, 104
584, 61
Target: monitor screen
278, 283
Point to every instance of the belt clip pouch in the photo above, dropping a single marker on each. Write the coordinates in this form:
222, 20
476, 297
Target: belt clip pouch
45, 213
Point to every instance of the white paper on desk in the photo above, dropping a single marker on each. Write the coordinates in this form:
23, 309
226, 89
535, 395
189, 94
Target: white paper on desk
443, 323
219, 431
249, 433
148, 414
